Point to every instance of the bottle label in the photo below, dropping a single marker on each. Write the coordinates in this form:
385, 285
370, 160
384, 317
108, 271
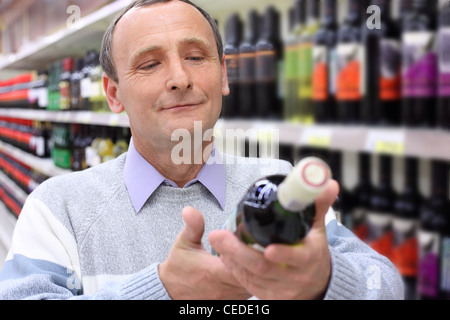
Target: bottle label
445, 264
305, 66
266, 66
419, 65
404, 251
349, 78
390, 72
247, 68
232, 64
320, 74
444, 62
428, 272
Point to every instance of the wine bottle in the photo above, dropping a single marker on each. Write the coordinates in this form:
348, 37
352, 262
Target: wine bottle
324, 72
305, 107
269, 55
434, 223
362, 194
64, 84
247, 67
380, 214
381, 73
233, 35
404, 225
278, 208
443, 38
349, 51
292, 62
419, 81
76, 101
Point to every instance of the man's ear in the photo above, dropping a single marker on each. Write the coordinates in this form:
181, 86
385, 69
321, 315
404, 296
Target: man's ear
225, 87
112, 94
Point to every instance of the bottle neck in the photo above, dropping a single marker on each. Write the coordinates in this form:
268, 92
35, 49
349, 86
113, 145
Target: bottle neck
385, 171
439, 179
313, 10
329, 14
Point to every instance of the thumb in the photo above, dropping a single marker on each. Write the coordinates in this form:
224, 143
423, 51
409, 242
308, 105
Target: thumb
192, 233
324, 201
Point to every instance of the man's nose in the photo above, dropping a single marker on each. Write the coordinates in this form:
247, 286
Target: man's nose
179, 78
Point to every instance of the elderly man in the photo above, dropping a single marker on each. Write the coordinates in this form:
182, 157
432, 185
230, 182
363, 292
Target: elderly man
116, 231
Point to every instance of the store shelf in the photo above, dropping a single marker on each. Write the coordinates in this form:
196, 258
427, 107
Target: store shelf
43, 165
422, 143
75, 41
12, 188
82, 117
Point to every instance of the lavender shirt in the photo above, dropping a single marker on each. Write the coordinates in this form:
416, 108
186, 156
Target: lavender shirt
142, 179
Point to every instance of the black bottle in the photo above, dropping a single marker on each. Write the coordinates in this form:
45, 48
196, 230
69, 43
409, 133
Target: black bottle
348, 81
419, 80
382, 67
278, 208
324, 73
233, 36
405, 224
434, 223
362, 194
380, 214
443, 38
269, 55
247, 67
76, 101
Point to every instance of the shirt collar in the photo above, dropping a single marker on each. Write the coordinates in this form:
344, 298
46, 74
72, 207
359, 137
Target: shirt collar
142, 179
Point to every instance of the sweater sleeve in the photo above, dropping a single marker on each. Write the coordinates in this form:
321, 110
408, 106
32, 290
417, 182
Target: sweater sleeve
43, 264
358, 272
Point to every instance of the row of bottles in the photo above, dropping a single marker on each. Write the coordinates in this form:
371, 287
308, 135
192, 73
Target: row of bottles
76, 84
410, 229
370, 69
69, 84
78, 147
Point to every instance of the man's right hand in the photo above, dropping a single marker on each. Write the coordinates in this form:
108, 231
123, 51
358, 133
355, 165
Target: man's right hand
192, 273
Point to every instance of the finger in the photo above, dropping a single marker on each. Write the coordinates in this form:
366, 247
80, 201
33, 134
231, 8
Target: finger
192, 233
323, 202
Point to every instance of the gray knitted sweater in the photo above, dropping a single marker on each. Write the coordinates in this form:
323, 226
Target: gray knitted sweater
79, 237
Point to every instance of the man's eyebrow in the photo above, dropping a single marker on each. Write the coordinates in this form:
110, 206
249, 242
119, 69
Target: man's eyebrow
196, 41
144, 51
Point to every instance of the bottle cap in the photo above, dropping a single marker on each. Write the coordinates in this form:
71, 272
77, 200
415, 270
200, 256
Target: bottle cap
304, 183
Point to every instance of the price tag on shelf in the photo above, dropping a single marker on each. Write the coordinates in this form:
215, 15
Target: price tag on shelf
316, 137
114, 120
84, 117
386, 141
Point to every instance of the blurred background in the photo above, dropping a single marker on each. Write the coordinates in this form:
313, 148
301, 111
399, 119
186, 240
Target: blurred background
364, 84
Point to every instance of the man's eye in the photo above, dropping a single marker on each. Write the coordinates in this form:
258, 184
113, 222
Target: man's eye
149, 66
197, 59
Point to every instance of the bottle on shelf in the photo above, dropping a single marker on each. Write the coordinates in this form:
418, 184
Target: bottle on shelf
61, 152
405, 225
380, 214
291, 63
233, 37
76, 101
349, 65
53, 85
85, 83
121, 144
64, 84
305, 64
106, 145
381, 71
269, 55
362, 194
97, 98
434, 269
247, 67
79, 147
443, 38
38, 93
324, 72
419, 81
278, 208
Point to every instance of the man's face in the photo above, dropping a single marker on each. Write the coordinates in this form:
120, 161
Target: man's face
169, 71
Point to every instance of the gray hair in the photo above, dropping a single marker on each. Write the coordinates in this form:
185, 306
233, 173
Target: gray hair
106, 59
